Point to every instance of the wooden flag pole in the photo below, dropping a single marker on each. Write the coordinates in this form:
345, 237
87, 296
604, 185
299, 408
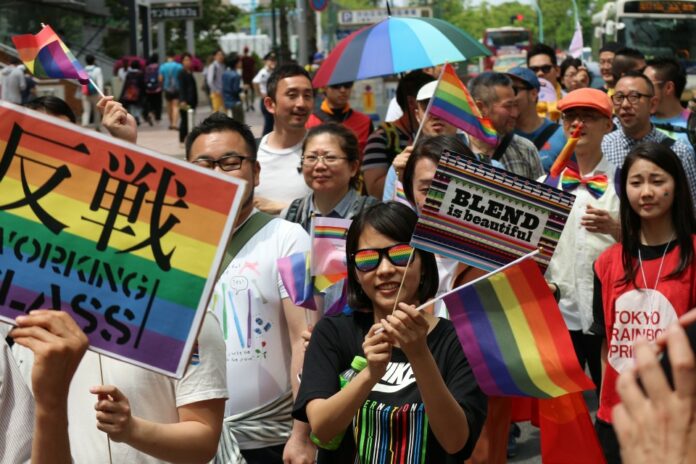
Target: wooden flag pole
101, 378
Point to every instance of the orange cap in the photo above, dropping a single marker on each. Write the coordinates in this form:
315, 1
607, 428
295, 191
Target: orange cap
587, 98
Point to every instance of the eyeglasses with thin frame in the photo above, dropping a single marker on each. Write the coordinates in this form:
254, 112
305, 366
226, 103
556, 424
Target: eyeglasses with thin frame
569, 117
368, 259
632, 97
229, 162
544, 68
330, 160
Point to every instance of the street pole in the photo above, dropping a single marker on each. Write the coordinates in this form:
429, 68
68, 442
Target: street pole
540, 17
301, 32
252, 25
575, 12
273, 26
133, 25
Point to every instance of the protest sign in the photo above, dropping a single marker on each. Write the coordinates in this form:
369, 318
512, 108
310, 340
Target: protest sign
488, 217
125, 240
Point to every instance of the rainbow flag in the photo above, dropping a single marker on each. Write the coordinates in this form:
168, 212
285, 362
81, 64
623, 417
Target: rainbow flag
336, 298
45, 55
328, 260
453, 103
116, 237
294, 272
514, 336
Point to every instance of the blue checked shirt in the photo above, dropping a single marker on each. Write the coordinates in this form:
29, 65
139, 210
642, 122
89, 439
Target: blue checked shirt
616, 145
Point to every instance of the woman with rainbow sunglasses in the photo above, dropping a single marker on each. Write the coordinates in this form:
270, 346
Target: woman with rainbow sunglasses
417, 400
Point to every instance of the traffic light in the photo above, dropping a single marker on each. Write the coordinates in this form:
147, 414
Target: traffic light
516, 18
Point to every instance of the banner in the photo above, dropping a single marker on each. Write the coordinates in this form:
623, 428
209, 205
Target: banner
127, 241
487, 217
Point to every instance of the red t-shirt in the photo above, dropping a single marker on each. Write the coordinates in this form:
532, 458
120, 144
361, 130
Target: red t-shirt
631, 312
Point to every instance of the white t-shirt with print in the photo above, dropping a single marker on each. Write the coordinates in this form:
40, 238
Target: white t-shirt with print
280, 178
248, 301
152, 396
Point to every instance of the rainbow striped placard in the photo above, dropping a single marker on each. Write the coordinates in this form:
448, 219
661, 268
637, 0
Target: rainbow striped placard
487, 217
514, 336
45, 55
328, 257
127, 241
453, 103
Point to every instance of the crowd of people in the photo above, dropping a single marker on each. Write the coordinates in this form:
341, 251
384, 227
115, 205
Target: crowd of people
271, 398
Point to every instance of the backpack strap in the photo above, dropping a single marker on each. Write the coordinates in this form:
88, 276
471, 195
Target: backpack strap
667, 142
240, 238
293, 214
544, 135
504, 144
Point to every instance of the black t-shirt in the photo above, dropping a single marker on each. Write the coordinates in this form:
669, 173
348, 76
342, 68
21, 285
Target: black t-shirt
393, 418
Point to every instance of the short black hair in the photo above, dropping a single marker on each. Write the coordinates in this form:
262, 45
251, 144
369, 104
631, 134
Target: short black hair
669, 70
409, 85
396, 221
220, 122
283, 72
185, 55
612, 47
52, 105
482, 87
567, 63
154, 58
89, 59
542, 49
630, 53
641, 76
231, 60
430, 148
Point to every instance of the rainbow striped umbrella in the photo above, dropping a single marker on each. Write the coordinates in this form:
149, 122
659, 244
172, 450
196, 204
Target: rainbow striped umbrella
395, 45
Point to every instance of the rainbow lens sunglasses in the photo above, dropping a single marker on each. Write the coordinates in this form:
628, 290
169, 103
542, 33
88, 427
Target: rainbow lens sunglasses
368, 259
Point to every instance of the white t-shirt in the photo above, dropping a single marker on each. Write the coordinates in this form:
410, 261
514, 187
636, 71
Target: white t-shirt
152, 396
16, 408
261, 78
248, 301
280, 179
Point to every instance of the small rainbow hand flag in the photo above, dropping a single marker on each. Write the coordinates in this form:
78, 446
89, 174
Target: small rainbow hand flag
453, 103
514, 336
328, 264
45, 55
294, 272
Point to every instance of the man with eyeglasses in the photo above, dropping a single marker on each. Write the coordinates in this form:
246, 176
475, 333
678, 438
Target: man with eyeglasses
336, 108
634, 101
262, 326
542, 60
547, 136
669, 79
592, 225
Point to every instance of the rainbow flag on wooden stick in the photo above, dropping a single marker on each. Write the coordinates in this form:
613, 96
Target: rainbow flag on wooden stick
45, 55
453, 103
514, 336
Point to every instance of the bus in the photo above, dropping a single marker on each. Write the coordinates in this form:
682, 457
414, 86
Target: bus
507, 40
656, 28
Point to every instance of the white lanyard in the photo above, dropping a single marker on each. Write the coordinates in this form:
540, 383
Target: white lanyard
659, 272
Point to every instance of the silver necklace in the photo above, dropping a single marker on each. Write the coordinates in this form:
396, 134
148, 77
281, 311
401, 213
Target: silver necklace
659, 271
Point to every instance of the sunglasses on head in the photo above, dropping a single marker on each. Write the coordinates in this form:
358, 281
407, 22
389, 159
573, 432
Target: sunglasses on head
368, 259
545, 68
345, 85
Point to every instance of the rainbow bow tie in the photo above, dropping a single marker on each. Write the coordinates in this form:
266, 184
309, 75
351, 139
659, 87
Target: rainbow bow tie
596, 185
